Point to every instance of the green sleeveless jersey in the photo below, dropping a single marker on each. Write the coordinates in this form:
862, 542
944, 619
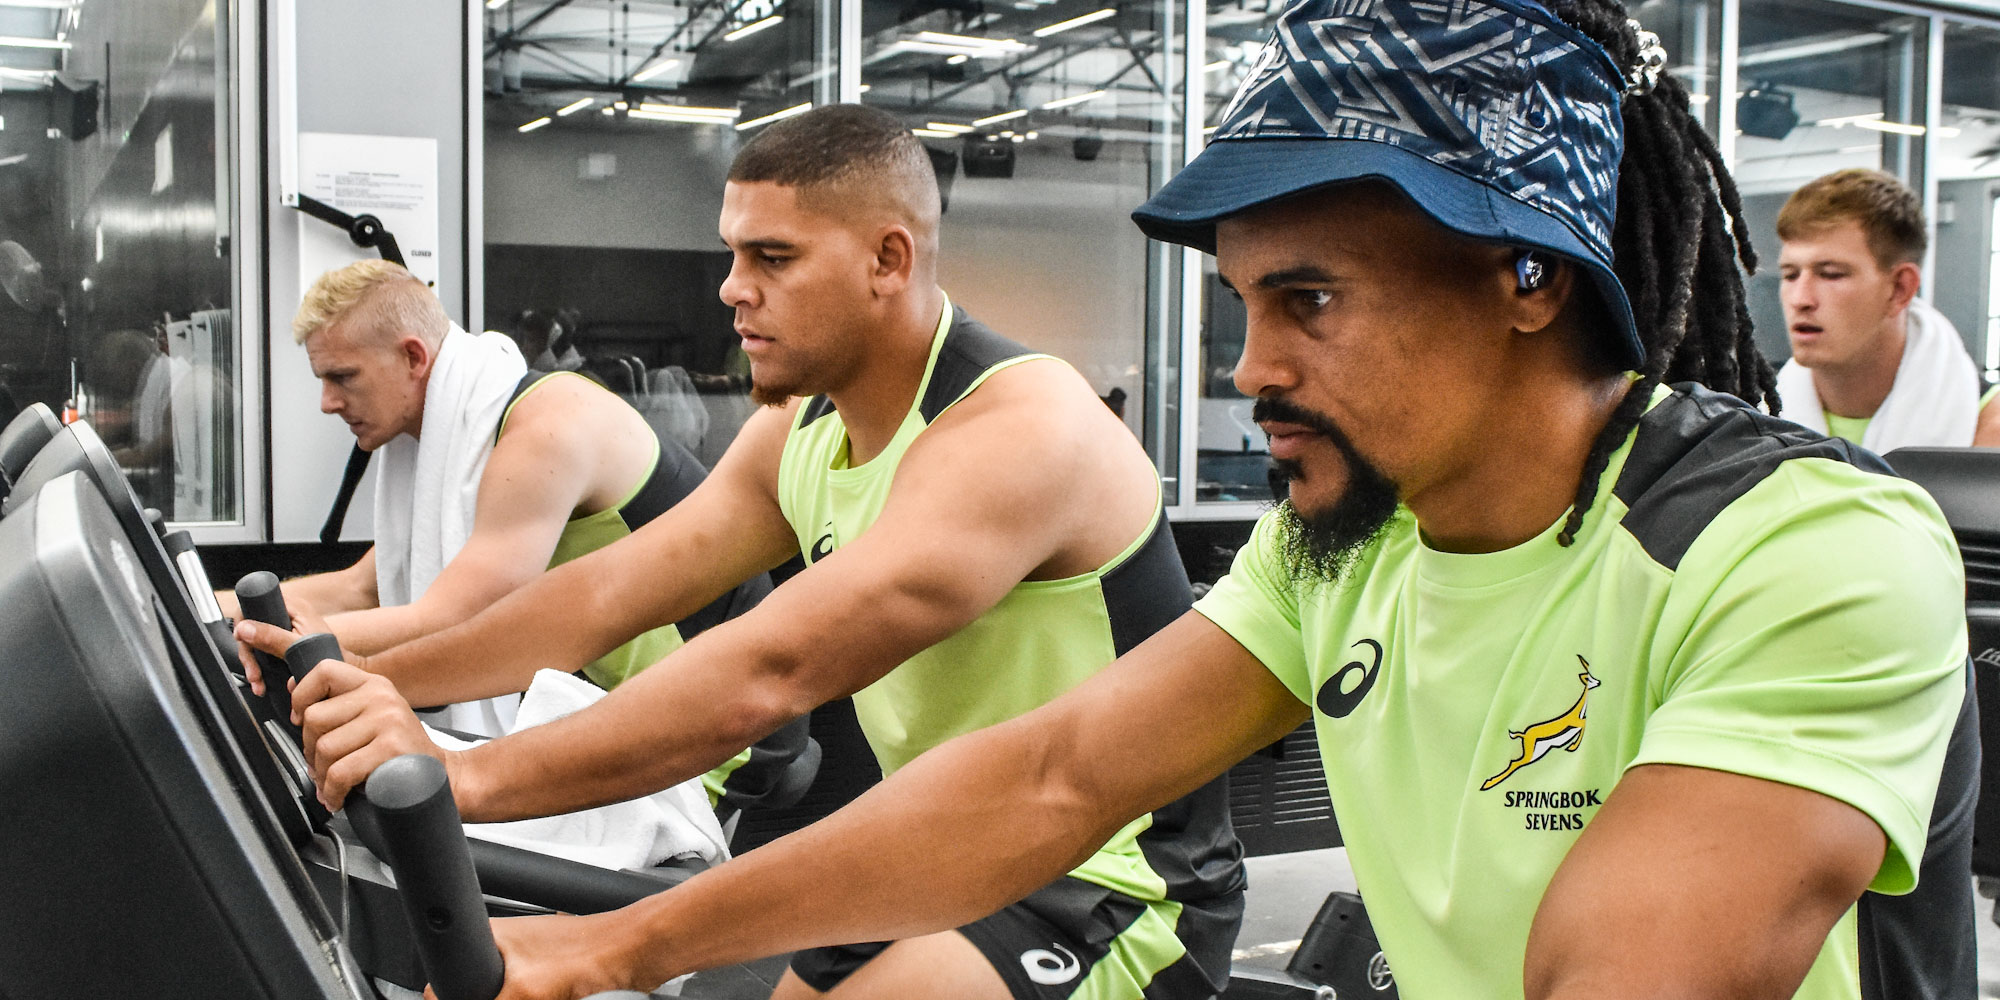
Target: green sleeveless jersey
673, 475
1043, 638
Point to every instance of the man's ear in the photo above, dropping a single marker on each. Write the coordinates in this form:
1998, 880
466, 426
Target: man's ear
1905, 281
418, 355
895, 260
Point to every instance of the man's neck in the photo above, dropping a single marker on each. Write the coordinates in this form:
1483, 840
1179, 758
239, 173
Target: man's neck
875, 400
1857, 390
1525, 473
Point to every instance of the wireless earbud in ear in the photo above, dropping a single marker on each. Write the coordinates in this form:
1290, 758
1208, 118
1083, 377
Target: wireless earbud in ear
1530, 271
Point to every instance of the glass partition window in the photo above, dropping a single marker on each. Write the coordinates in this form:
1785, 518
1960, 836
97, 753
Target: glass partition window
610, 128
1967, 166
115, 250
1825, 86
1048, 121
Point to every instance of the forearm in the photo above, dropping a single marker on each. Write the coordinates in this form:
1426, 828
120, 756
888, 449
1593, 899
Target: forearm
333, 593
676, 720
370, 631
952, 837
565, 619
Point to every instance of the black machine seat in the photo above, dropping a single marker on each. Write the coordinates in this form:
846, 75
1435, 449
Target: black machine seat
22, 439
1965, 482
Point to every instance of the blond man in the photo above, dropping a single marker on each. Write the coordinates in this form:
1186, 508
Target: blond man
488, 473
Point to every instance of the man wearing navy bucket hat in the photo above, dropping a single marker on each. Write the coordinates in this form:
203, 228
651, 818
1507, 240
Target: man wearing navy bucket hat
1624, 688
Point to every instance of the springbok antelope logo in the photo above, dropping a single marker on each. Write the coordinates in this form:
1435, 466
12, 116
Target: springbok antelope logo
1565, 731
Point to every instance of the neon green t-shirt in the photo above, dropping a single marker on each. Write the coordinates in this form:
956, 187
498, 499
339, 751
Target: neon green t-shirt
1846, 428
1740, 598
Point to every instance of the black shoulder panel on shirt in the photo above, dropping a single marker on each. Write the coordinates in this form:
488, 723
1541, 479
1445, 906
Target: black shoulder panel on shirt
815, 408
1148, 590
1697, 452
970, 348
674, 477
520, 389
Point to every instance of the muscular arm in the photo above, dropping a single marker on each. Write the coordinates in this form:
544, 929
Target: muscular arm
1698, 883
949, 544
963, 830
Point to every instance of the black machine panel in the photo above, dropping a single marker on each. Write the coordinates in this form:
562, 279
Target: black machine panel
139, 857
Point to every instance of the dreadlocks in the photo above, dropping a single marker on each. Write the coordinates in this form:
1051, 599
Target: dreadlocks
1676, 244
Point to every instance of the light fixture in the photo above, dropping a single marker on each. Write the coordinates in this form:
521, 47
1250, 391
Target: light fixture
957, 59
796, 109
948, 127
685, 114
1019, 138
753, 28
495, 4
620, 105
32, 43
1004, 116
932, 133
575, 106
609, 110
1848, 119
1216, 65
1073, 101
40, 4
692, 111
866, 87
1896, 128
971, 41
533, 125
1075, 22
655, 70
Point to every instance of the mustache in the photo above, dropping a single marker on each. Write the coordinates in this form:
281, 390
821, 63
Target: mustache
1278, 409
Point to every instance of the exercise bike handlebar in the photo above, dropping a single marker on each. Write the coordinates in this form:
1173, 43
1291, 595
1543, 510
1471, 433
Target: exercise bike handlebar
407, 805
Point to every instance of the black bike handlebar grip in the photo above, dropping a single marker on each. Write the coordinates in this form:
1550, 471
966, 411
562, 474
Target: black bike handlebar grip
305, 654
425, 846
262, 601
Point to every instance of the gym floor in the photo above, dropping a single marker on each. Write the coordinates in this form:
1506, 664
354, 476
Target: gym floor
1285, 891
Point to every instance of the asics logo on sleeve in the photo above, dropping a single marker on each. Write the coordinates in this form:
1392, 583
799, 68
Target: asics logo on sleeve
1048, 968
1336, 699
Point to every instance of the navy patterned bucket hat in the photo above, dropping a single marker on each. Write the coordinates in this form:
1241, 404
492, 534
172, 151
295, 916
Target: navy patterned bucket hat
1495, 117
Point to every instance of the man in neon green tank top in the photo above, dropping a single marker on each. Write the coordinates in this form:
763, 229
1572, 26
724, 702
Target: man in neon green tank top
980, 535
1623, 688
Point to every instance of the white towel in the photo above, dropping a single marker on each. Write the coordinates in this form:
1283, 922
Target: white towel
427, 488
639, 833
1935, 400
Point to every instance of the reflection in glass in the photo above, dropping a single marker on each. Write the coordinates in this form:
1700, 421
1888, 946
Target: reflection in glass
608, 137
114, 239
1826, 86
1967, 167
1048, 121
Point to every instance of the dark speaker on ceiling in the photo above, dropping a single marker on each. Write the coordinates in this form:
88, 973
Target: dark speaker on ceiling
945, 165
988, 158
1086, 147
1766, 112
74, 107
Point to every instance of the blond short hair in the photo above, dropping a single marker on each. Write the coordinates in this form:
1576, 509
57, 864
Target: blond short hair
396, 301
1889, 213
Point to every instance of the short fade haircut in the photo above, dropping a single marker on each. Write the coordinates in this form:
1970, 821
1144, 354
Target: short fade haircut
1891, 217
835, 147
394, 297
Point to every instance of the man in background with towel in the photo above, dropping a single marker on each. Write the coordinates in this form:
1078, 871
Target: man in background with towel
487, 474
1871, 362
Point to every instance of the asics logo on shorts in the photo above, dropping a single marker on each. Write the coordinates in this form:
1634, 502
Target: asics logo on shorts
1050, 968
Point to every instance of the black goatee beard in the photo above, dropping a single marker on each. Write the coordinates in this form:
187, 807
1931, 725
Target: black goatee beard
1321, 547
